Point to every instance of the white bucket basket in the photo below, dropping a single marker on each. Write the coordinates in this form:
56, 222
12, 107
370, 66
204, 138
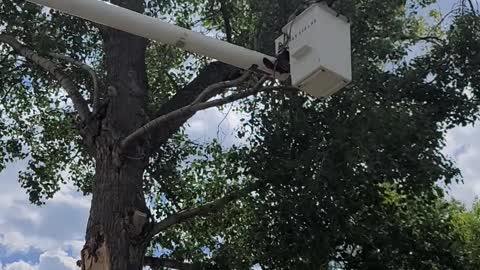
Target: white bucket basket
318, 41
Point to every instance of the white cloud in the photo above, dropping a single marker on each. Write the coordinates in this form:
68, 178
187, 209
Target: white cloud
56, 260
68, 195
15, 241
215, 124
21, 265
50, 260
60, 224
463, 147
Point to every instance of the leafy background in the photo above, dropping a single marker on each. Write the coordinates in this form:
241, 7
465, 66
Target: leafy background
50, 236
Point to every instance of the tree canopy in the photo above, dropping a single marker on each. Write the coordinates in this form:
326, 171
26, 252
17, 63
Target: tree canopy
346, 181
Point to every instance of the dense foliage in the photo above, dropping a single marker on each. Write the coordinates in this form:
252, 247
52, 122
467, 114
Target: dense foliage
348, 180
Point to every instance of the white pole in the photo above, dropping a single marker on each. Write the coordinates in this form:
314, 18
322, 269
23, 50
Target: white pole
151, 28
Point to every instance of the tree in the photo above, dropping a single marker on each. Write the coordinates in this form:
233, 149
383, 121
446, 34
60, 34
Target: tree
97, 103
466, 223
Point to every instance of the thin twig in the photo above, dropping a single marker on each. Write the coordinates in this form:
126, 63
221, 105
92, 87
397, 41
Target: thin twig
7, 92
223, 120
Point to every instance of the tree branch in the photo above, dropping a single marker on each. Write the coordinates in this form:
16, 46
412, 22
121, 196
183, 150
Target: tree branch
220, 86
88, 69
72, 90
226, 20
433, 39
472, 7
160, 263
202, 210
188, 110
210, 74
193, 108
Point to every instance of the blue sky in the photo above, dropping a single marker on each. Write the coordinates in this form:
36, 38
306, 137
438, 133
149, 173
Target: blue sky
50, 237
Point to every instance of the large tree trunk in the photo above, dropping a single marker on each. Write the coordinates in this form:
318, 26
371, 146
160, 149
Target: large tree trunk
115, 237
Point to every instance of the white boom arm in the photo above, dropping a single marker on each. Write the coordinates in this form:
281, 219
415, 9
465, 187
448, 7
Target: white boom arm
152, 28
318, 56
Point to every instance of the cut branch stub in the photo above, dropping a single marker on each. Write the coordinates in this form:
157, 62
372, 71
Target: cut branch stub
137, 225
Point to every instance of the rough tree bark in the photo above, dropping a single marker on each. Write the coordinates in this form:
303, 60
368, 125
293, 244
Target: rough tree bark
117, 189
118, 212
